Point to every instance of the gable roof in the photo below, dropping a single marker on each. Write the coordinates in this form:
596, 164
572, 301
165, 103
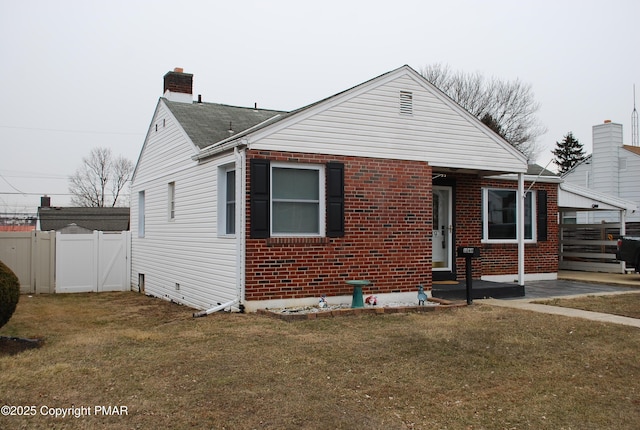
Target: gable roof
538, 170
488, 138
209, 123
101, 219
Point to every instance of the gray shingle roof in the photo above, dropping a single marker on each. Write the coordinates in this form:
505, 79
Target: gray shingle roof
208, 123
535, 169
101, 219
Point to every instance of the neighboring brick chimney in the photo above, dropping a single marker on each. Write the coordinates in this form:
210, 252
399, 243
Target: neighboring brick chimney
178, 86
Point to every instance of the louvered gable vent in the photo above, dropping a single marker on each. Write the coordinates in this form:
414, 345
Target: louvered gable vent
406, 103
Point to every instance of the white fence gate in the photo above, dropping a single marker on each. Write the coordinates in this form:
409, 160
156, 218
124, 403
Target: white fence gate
92, 262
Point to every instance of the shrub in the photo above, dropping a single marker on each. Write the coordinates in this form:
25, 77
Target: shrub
9, 293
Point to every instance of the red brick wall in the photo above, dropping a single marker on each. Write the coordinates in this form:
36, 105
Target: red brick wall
540, 257
467, 209
387, 239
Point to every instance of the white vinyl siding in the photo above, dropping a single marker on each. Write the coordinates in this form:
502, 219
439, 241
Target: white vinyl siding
368, 124
188, 251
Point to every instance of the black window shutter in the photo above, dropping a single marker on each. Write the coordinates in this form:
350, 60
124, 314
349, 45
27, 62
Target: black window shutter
335, 199
541, 214
259, 199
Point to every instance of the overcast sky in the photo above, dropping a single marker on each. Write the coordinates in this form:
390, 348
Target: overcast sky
82, 74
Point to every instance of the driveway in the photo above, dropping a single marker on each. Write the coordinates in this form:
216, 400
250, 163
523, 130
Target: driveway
571, 283
574, 284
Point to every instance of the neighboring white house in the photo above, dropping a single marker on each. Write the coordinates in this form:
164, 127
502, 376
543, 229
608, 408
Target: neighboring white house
613, 169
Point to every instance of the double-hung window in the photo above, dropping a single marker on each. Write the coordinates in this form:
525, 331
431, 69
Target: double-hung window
230, 202
297, 195
227, 200
500, 215
296, 199
141, 213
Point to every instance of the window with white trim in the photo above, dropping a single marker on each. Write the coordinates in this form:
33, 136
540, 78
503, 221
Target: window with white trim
141, 214
297, 200
227, 200
500, 215
171, 200
230, 202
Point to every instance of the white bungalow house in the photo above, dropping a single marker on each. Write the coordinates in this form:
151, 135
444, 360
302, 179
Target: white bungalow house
381, 182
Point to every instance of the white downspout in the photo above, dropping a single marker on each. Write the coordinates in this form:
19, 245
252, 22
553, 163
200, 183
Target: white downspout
520, 225
215, 308
240, 235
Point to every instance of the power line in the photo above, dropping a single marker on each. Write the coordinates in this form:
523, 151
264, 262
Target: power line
59, 130
10, 193
9, 183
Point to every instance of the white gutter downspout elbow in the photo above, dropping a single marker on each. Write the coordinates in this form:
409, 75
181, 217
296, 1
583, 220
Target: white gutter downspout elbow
215, 308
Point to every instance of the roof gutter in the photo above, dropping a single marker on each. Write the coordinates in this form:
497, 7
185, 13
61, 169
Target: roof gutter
220, 148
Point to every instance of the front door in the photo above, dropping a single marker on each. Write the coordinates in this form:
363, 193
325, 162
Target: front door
442, 231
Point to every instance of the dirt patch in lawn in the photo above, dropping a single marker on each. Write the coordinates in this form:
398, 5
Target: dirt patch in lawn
15, 345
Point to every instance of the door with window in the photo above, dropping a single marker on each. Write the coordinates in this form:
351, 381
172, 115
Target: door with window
442, 233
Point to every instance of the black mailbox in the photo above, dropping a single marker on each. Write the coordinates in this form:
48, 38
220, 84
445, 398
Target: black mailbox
468, 252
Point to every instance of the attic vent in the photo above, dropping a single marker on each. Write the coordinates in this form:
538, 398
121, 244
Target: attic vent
406, 103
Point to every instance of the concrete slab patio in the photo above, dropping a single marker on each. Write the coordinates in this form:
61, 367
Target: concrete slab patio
575, 284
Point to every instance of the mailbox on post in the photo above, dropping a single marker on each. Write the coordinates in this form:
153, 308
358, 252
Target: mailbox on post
468, 252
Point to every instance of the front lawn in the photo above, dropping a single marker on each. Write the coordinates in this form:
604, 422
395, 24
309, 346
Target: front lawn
475, 367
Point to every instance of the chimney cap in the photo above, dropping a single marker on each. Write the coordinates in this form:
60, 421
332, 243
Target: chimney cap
178, 70
607, 121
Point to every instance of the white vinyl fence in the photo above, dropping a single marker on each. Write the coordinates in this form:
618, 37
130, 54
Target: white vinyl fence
93, 262
31, 256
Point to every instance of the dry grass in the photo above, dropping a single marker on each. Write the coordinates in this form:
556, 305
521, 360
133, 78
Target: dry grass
479, 367
626, 305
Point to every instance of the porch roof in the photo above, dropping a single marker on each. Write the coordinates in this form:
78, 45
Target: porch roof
575, 197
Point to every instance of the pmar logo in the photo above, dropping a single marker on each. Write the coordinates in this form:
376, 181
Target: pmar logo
111, 410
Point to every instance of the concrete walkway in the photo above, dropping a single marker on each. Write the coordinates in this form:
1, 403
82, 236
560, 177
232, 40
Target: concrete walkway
571, 285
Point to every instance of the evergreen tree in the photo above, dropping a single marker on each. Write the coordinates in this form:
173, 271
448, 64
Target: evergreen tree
568, 153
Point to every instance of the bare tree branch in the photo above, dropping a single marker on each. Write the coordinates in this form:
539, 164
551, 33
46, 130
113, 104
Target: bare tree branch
508, 107
98, 172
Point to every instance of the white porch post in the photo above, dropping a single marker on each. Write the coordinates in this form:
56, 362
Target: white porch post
240, 156
520, 226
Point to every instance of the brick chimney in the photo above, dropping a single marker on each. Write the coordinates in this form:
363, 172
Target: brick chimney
178, 86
